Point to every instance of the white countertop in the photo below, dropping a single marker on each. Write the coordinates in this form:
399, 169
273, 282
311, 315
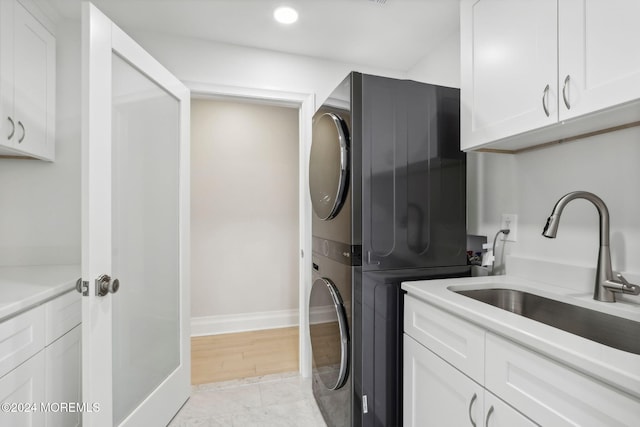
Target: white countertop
618, 368
24, 287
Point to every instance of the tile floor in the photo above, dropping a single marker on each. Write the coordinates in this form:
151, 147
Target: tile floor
278, 400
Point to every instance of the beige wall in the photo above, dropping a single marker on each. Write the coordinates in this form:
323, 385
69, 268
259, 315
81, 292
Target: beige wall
244, 208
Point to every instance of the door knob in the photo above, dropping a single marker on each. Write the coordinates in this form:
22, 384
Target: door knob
105, 285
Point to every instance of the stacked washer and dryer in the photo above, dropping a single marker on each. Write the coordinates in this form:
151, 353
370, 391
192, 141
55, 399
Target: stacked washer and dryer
388, 189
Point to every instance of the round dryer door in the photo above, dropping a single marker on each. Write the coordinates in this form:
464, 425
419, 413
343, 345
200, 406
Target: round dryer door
329, 334
329, 165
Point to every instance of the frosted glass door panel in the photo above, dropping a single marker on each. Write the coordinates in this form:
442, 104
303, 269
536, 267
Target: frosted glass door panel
145, 192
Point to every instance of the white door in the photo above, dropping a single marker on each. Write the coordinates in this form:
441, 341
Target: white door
135, 200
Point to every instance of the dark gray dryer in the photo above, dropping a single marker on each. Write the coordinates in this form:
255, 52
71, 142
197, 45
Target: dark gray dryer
387, 184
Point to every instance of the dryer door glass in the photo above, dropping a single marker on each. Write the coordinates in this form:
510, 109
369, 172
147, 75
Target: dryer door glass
329, 334
329, 165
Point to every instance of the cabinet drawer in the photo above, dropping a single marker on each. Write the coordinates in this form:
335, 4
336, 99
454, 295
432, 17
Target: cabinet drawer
24, 385
552, 394
458, 342
62, 314
20, 338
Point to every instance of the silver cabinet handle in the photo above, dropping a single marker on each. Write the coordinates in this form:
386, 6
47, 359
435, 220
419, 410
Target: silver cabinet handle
13, 128
567, 80
473, 399
24, 133
486, 420
545, 100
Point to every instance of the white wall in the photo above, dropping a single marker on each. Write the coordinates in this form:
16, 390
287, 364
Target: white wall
606, 165
529, 184
442, 65
201, 61
40, 201
244, 209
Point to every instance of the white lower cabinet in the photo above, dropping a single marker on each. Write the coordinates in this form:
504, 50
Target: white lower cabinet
499, 414
519, 386
21, 392
437, 394
40, 366
63, 379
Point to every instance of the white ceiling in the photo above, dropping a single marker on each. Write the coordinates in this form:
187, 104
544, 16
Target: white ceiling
395, 34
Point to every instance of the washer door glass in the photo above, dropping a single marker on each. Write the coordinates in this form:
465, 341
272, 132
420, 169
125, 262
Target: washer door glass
329, 165
329, 334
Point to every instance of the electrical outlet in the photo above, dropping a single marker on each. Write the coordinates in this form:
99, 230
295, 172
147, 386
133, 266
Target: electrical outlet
510, 221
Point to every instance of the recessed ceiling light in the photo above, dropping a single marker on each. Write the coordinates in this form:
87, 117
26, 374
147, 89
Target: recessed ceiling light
285, 15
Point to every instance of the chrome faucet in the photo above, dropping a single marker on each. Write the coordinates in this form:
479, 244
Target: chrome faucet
605, 287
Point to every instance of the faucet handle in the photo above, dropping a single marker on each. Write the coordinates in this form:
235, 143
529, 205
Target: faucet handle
622, 279
627, 287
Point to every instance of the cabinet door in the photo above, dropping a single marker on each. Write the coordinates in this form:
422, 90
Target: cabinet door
435, 393
499, 414
599, 54
34, 85
63, 366
23, 385
7, 122
508, 68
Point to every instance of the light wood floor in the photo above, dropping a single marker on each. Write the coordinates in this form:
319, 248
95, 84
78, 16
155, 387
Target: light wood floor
246, 354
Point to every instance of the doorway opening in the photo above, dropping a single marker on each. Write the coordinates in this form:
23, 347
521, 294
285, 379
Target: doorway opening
250, 231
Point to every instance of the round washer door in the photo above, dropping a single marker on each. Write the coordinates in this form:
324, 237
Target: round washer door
329, 165
329, 332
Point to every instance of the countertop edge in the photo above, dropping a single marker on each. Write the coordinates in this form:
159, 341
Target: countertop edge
24, 288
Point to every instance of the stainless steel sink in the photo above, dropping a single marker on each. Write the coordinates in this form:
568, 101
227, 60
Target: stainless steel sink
613, 331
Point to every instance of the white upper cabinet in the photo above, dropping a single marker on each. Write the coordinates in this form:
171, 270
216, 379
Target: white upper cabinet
541, 71
27, 87
509, 68
599, 51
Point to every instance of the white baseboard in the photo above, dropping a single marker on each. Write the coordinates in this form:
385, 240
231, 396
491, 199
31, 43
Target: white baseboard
230, 323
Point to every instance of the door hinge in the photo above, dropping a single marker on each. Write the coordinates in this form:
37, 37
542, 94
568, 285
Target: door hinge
82, 286
365, 407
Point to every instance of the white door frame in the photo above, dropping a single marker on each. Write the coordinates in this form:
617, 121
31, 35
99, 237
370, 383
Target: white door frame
305, 102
